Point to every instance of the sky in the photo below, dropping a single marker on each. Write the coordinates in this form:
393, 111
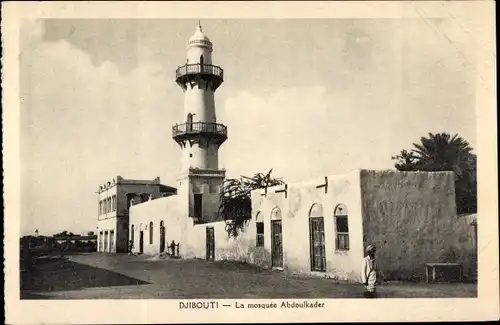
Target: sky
306, 97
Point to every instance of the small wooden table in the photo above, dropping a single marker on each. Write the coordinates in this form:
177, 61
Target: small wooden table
432, 267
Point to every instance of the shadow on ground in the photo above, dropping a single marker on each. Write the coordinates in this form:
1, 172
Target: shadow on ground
64, 275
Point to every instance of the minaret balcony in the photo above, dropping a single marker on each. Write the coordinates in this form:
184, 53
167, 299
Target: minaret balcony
191, 131
188, 72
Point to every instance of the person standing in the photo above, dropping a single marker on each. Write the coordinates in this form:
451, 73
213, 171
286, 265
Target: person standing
370, 273
130, 247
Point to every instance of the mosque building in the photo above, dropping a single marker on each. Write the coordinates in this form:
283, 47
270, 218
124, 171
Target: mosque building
318, 227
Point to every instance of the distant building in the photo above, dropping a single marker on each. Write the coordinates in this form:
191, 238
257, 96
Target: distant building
114, 200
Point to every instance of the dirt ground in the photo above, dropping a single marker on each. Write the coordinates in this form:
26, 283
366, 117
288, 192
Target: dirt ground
119, 276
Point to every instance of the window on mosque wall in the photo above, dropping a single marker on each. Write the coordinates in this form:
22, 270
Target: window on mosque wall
260, 234
341, 227
259, 224
114, 203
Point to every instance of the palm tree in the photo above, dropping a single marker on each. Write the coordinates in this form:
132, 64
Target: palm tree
443, 152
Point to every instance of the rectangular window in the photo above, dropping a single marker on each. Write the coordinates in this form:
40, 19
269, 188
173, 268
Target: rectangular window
342, 233
100, 207
109, 204
260, 234
114, 203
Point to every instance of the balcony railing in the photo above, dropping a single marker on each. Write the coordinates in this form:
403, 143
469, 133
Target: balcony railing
196, 68
199, 127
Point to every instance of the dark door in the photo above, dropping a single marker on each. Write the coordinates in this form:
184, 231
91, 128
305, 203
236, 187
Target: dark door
106, 234
162, 237
141, 242
198, 207
276, 244
112, 242
317, 244
210, 239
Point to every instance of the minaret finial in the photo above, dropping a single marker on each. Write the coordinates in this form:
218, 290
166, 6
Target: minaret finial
199, 25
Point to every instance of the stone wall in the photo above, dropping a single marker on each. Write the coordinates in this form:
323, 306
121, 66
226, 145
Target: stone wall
411, 217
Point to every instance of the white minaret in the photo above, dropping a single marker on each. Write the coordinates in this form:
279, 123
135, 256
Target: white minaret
198, 133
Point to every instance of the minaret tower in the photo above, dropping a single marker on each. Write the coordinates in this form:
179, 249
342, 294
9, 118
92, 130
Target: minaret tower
199, 135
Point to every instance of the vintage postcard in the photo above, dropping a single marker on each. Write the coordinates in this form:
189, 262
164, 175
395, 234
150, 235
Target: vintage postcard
171, 162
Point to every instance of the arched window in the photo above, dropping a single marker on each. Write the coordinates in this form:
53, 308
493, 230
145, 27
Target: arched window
276, 214
341, 227
316, 210
259, 223
202, 60
151, 233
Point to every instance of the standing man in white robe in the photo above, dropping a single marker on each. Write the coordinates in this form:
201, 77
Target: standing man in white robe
370, 272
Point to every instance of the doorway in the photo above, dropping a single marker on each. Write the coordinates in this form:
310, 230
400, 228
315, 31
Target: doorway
317, 244
101, 241
111, 241
141, 242
210, 243
162, 236
105, 248
276, 244
189, 123
198, 206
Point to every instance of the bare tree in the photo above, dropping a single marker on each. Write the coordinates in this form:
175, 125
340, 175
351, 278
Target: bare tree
235, 200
